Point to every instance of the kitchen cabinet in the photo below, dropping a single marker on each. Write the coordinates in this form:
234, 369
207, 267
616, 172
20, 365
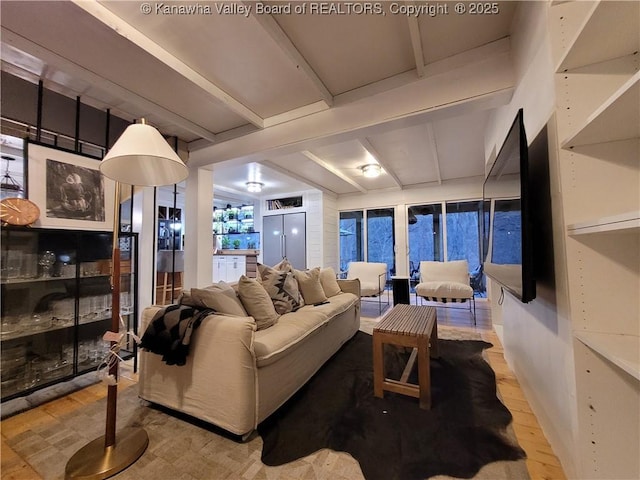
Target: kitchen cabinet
228, 268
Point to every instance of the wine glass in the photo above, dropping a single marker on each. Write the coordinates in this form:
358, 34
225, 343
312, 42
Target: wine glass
46, 262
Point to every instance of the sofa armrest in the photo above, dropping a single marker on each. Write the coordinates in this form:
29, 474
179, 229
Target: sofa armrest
218, 382
350, 286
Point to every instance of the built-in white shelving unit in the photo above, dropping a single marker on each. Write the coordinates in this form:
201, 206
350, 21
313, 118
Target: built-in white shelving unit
598, 119
629, 222
608, 30
622, 350
618, 118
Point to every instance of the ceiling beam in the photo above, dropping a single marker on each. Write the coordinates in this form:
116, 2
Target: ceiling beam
433, 147
74, 70
118, 25
296, 176
368, 146
296, 113
333, 170
274, 30
416, 43
477, 80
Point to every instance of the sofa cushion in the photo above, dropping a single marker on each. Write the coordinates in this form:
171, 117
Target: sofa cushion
273, 343
257, 302
329, 282
310, 286
221, 297
282, 287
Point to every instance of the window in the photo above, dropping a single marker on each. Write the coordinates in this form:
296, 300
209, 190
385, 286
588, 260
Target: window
463, 221
425, 236
351, 238
381, 238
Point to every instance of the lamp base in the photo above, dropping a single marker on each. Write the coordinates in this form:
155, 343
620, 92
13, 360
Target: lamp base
94, 461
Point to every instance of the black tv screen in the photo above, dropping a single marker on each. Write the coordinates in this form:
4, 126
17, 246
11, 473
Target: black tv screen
508, 246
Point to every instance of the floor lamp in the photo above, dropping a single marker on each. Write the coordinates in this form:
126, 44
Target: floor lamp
140, 157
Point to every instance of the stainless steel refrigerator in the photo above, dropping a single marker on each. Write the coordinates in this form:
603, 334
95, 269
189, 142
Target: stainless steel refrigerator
285, 236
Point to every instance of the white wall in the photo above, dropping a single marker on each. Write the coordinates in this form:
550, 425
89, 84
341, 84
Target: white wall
537, 336
330, 232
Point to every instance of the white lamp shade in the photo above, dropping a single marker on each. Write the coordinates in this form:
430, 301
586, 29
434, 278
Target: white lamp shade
141, 156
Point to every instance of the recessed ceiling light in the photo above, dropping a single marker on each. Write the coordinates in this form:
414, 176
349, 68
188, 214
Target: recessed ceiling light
371, 170
254, 187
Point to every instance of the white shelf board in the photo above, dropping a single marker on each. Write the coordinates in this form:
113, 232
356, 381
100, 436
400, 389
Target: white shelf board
621, 350
618, 118
629, 221
610, 31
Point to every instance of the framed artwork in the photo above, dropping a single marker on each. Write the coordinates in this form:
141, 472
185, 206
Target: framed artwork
69, 189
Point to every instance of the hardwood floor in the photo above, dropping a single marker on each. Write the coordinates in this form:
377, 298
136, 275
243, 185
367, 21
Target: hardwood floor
541, 462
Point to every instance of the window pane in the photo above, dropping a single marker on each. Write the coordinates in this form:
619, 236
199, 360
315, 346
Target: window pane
425, 236
381, 238
351, 238
463, 237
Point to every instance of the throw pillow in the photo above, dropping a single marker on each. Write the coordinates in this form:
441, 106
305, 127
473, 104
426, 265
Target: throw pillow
282, 287
283, 266
310, 286
329, 282
221, 297
257, 302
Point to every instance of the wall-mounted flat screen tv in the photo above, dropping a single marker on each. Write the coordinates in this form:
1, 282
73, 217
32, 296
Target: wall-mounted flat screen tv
508, 245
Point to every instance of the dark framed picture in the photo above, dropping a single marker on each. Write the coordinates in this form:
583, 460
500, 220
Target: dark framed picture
69, 189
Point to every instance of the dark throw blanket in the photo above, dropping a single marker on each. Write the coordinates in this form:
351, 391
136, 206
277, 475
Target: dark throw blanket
169, 332
392, 438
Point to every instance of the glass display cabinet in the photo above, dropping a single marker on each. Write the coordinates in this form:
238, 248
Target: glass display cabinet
56, 304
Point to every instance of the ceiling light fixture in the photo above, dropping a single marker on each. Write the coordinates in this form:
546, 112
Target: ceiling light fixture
254, 187
371, 170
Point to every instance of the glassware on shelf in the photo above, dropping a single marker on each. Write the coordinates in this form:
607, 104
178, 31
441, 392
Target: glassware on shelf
36, 322
10, 326
29, 266
46, 261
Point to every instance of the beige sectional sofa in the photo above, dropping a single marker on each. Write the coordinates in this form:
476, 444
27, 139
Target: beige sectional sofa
235, 376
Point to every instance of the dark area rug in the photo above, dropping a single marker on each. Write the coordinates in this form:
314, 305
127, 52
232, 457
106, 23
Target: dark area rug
392, 438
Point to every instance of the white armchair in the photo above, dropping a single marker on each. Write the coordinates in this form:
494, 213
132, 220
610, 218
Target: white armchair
446, 282
373, 279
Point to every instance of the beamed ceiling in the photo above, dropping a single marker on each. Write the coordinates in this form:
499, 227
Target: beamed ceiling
291, 100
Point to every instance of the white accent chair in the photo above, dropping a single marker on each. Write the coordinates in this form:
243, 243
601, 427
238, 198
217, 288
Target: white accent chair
373, 279
446, 282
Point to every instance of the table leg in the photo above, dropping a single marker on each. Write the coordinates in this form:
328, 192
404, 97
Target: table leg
434, 340
424, 374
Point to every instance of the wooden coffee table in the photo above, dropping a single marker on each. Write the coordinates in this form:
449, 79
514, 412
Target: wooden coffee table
408, 326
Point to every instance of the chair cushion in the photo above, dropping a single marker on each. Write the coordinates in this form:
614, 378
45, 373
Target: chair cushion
444, 290
369, 274
454, 271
